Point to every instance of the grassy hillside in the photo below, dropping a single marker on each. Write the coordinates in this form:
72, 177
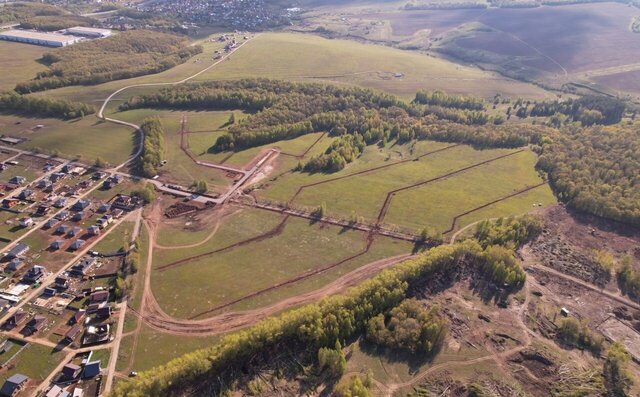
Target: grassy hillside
312, 58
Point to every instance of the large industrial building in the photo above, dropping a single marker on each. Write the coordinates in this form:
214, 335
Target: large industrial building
96, 33
39, 38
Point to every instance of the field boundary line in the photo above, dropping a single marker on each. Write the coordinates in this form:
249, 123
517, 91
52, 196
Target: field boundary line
277, 230
514, 194
368, 242
301, 188
392, 193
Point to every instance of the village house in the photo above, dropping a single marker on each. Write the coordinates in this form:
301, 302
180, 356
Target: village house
26, 194
16, 319
43, 210
81, 205
104, 312
34, 274
18, 180
14, 385
62, 215
50, 223
91, 369
26, 222
14, 265
74, 231
72, 333
77, 317
81, 268
60, 202
61, 282
76, 245
10, 202
56, 245
62, 229
19, 250
99, 296
71, 371
34, 325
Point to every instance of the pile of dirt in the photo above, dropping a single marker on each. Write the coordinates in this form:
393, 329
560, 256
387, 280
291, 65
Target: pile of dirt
180, 209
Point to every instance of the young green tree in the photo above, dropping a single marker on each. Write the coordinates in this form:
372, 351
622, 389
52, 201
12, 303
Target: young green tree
617, 378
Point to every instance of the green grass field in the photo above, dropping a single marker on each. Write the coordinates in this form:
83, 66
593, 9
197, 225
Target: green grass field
365, 194
382, 248
201, 284
36, 361
240, 225
88, 138
155, 348
19, 63
296, 147
180, 168
436, 204
307, 57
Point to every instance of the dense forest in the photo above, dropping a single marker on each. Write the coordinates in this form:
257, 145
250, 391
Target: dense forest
284, 110
43, 107
314, 326
124, 55
597, 170
152, 148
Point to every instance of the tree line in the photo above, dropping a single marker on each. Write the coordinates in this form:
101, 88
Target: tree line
152, 147
439, 98
629, 279
317, 325
121, 56
56, 22
43, 107
284, 110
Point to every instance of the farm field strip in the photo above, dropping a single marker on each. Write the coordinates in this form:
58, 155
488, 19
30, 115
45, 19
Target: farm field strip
385, 207
303, 187
292, 280
436, 204
483, 206
300, 248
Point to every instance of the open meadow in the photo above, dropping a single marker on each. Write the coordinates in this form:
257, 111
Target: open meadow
85, 139
552, 44
19, 63
305, 57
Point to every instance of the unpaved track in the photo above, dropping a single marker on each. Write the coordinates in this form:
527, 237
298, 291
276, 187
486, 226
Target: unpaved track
498, 357
136, 127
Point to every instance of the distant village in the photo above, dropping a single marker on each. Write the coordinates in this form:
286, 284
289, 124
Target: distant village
237, 14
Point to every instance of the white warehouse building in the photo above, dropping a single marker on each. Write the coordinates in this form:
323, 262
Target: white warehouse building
89, 32
39, 38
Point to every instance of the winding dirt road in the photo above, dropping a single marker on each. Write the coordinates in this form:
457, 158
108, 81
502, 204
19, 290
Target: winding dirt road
152, 314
